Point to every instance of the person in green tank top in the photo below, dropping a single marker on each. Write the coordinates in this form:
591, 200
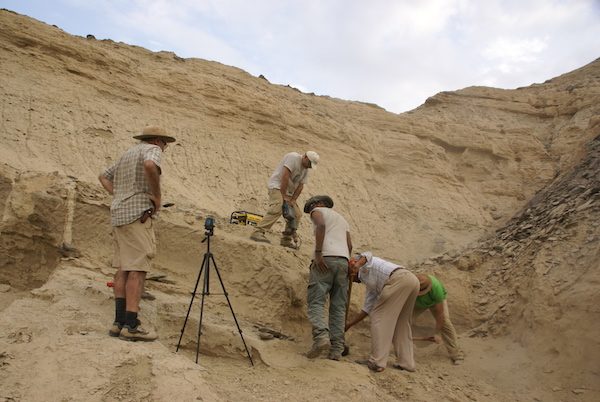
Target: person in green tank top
432, 296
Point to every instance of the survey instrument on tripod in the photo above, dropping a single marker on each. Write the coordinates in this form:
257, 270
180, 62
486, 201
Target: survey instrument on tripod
207, 261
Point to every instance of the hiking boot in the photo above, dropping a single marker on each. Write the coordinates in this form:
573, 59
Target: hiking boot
334, 356
291, 242
137, 334
286, 241
115, 330
318, 346
260, 237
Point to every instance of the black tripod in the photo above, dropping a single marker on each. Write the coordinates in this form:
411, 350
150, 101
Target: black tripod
208, 257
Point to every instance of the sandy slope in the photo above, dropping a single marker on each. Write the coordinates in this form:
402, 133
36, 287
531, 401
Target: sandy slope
494, 190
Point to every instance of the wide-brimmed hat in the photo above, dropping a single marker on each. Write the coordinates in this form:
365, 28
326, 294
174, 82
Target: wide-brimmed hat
424, 284
313, 157
308, 205
151, 132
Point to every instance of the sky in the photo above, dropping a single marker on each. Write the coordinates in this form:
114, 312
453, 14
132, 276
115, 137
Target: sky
393, 53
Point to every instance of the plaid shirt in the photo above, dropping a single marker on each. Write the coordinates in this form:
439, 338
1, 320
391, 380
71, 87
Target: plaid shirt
374, 274
130, 186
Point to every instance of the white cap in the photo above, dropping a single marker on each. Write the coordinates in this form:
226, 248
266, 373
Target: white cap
313, 157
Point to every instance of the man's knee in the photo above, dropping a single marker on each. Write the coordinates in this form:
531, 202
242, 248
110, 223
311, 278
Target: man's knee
136, 276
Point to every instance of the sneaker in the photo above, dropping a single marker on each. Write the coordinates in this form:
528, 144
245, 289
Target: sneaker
400, 367
115, 330
260, 236
318, 346
457, 361
137, 334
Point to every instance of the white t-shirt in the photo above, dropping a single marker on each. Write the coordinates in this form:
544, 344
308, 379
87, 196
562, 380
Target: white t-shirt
298, 174
335, 243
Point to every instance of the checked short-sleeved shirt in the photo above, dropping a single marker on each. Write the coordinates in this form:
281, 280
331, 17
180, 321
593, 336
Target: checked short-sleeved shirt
374, 274
130, 187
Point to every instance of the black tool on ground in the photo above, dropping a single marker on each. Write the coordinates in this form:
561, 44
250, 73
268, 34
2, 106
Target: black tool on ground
209, 225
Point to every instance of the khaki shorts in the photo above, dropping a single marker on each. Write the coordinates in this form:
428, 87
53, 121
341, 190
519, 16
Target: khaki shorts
134, 246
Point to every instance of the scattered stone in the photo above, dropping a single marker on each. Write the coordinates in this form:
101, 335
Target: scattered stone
265, 336
271, 333
4, 288
578, 391
148, 296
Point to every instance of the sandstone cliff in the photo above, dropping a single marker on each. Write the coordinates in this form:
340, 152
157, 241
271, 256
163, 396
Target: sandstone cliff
494, 190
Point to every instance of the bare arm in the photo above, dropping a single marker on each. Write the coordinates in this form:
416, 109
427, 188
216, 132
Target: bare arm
297, 192
285, 179
349, 242
319, 221
361, 316
438, 313
153, 176
107, 184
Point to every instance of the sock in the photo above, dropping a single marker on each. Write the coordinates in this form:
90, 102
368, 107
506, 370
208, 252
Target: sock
131, 319
120, 310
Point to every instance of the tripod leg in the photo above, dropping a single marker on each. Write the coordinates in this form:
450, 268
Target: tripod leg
231, 308
191, 302
205, 291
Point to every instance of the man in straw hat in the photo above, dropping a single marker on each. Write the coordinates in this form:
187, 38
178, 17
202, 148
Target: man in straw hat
285, 186
134, 182
328, 277
389, 302
432, 297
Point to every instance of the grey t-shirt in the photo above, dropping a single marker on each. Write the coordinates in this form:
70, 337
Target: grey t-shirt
335, 243
298, 174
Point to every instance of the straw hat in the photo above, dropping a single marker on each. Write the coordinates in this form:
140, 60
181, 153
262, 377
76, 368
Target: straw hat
151, 132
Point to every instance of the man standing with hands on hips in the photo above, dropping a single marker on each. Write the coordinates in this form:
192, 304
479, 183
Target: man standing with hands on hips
285, 185
134, 182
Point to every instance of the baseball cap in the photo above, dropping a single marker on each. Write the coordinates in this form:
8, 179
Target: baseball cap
313, 157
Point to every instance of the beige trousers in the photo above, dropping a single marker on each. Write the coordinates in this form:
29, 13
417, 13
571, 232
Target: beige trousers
391, 320
274, 211
448, 333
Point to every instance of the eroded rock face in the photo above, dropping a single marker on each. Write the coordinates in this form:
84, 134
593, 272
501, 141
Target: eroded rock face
495, 190
533, 278
413, 185
32, 227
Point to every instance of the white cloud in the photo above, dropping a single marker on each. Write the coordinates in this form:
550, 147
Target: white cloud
394, 53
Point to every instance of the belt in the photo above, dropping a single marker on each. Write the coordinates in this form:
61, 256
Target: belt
397, 269
335, 256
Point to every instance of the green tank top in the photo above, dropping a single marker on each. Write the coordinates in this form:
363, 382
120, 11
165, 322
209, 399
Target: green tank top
436, 295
